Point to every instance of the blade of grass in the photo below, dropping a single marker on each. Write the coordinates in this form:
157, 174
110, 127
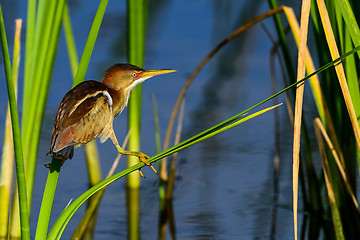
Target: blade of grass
338, 163
7, 161
90, 43
136, 30
29, 46
43, 53
304, 22
283, 43
350, 20
70, 42
335, 213
43, 94
48, 199
20, 171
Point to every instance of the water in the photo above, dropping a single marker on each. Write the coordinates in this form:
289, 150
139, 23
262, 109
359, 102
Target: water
224, 187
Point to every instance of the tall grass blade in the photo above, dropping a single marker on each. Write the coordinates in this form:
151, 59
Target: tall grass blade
338, 163
70, 42
19, 160
351, 25
48, 199
335, 213
90, 43
7, 160
283, 42
137, 18
136, 14
304, 22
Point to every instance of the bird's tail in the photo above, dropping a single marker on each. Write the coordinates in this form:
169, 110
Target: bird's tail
64, 154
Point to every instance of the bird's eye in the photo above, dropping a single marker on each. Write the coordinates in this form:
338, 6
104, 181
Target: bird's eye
133, 74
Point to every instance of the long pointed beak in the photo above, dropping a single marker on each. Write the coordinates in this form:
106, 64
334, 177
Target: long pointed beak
151, 73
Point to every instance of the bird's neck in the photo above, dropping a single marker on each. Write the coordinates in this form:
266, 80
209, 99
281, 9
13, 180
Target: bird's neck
120, 99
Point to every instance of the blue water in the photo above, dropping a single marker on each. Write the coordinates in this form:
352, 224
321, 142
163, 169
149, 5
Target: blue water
224, 188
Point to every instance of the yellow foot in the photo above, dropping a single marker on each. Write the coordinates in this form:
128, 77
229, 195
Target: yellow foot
142, 158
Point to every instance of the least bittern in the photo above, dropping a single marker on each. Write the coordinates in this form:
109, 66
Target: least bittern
87, 111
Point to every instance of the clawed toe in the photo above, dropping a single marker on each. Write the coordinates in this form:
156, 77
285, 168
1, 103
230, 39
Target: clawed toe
143, 160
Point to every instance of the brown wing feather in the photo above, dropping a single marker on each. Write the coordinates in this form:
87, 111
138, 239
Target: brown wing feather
97, 121
81, 116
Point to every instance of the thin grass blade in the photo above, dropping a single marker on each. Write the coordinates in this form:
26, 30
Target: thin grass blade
20, 173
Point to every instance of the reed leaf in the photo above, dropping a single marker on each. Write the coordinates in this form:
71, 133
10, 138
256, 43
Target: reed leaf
335, 213
7, 160
19, 160
90, 43
338, 163
304, 22
137, 18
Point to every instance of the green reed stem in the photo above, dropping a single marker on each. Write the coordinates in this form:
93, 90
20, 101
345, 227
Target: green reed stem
90, 43
48, 199
19, 160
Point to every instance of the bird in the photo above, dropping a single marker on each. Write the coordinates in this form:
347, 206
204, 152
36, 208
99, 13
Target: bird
87, 111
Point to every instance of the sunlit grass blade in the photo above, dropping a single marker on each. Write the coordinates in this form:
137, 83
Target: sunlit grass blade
70, 42
19, 160
341, 169
283, 43
29, 46
352, 26
48, 199
90, 43
34, 82
7, 161
40, 103
64, 218
136, 31
304, 22
36, 86
335, 213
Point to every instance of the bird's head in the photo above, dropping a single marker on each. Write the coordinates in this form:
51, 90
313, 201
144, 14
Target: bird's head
127, 76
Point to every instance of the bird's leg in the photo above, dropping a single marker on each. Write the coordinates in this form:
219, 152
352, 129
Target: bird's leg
142, 156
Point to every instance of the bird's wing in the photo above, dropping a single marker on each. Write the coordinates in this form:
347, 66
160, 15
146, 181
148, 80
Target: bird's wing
84, 114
